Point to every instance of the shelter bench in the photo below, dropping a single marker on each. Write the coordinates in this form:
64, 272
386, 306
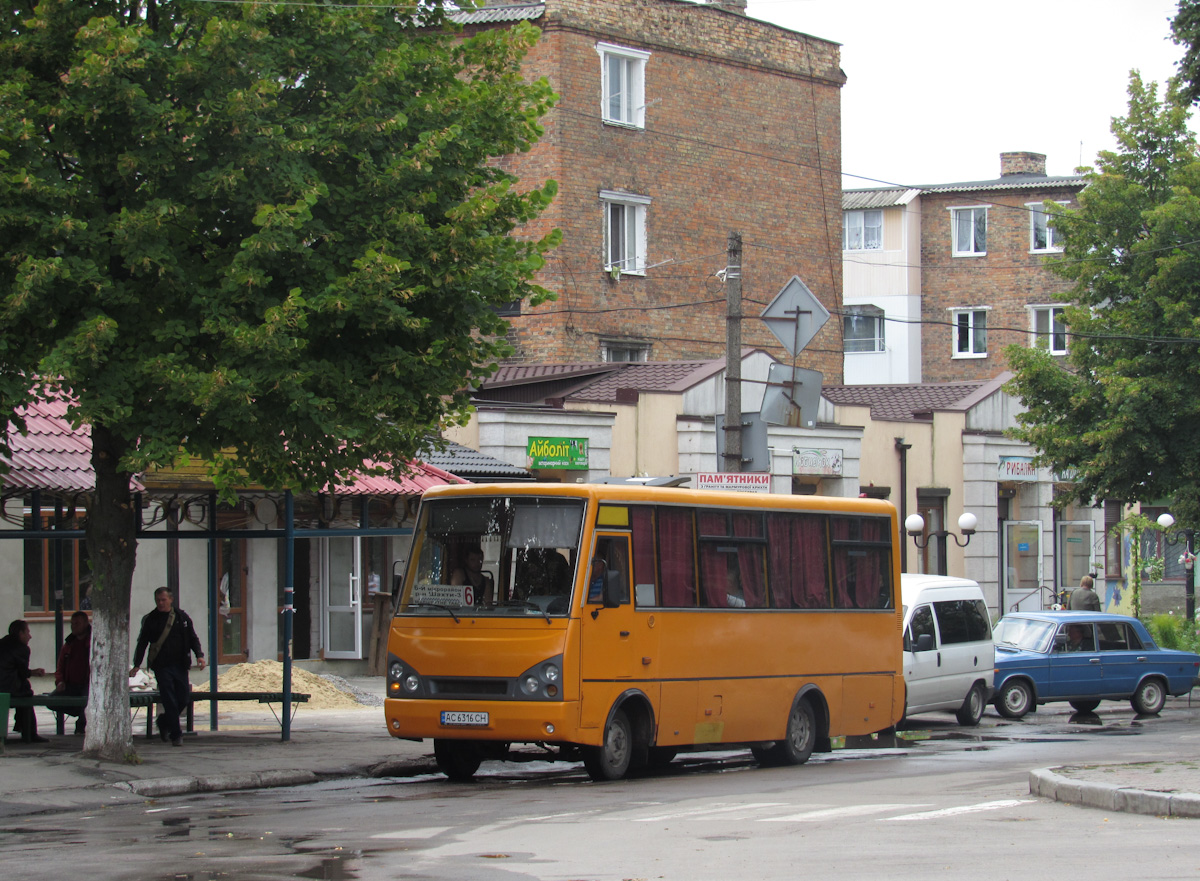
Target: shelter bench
62, 703
270, 698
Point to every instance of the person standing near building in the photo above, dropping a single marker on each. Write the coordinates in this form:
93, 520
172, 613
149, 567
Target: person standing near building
1084, 598
15, 675
168, 638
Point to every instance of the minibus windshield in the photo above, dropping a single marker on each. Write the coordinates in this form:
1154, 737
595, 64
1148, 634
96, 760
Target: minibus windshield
505, 556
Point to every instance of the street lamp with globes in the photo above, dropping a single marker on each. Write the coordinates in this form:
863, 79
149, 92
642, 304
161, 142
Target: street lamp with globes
1166, 521
914, 525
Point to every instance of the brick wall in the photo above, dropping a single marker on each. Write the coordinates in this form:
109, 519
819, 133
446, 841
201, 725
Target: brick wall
1007, 279
742, 134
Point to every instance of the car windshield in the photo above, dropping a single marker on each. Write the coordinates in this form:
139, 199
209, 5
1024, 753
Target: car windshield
1023, 633
500, 556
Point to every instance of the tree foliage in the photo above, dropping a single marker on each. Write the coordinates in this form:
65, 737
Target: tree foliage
1121, 418
272, 236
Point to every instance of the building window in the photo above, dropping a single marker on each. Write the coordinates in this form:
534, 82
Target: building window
1042, 235
623, 85
862, 329
1049, 332
624, 232
51, 565
970, 231
624, 350
970, 333
862, 230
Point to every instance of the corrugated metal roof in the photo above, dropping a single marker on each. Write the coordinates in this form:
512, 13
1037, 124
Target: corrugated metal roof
853, 200
499, 14
650, 376
1008, 182
515, 374
52, 456
419, 477
902, 402
463, 461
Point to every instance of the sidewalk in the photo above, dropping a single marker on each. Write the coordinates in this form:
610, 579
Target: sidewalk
247, 752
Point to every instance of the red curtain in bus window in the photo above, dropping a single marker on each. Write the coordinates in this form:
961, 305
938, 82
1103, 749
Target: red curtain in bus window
714, 560
676, 564
797, 554
643, 552
858, 575
750, 560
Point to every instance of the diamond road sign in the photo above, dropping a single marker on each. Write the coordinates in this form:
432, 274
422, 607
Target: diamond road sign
795, 316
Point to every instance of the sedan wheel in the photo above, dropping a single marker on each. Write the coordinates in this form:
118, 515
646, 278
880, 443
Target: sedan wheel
1015, 699
1149, 697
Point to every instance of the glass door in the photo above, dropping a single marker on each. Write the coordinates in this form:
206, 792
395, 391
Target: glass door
341, 588
1022, 584
1074, 553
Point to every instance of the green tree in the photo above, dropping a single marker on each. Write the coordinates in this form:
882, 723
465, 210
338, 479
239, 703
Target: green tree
1122, 416
271, 236
1185, 30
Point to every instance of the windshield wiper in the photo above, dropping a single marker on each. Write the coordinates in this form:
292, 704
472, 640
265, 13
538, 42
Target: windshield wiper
436, 606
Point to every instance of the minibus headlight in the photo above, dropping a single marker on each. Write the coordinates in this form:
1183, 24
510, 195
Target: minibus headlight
412, 682
396, 670
551, 673
530, 685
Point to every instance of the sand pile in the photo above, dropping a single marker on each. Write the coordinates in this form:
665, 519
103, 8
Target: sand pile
268, 676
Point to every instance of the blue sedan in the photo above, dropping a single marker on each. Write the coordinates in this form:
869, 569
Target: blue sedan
1084, 658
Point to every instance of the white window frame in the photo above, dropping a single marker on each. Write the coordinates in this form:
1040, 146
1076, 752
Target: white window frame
973, 315
971, 249
626, 251
872, 313
1052, 333
1039, 217
856, 228
623, 83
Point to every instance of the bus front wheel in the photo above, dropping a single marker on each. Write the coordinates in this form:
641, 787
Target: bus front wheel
798, 744
457, 759
611, 760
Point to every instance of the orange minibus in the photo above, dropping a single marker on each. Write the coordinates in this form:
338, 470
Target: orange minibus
621, 624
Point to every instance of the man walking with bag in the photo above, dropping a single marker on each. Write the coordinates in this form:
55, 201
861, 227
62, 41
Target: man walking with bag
171, 638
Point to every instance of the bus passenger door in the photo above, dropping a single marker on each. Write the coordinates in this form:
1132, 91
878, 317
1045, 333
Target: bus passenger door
612, 644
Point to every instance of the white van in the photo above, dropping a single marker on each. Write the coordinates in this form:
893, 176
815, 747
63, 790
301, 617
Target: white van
949, 656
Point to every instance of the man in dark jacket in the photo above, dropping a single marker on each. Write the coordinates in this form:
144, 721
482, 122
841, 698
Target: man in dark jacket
74, 670
171, 637
15, 675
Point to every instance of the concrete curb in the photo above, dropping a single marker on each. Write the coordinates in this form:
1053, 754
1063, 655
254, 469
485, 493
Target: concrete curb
1045, 783
164, 786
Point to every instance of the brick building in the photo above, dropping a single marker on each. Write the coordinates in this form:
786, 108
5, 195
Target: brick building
677, 124
940, 278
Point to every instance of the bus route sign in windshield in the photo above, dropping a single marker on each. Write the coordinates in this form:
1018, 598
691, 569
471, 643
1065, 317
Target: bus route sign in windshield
453, 595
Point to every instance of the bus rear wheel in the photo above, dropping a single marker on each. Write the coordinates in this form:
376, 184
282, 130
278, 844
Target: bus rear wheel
611, 760
457, 759
797, 745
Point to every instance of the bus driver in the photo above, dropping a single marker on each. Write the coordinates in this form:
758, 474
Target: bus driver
471, 572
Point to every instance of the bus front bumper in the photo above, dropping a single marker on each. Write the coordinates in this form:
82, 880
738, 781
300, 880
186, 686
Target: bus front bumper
507, 721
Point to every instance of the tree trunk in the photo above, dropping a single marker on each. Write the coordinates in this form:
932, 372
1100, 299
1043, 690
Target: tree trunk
112, 548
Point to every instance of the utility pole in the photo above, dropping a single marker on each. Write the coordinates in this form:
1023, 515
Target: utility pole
733, 355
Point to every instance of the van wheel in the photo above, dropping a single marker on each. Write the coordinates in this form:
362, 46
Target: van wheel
797, 745
1015, 699
972, 709
611, 760
1149, 697
457, 759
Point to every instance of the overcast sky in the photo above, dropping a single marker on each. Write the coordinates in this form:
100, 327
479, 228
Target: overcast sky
937, 90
